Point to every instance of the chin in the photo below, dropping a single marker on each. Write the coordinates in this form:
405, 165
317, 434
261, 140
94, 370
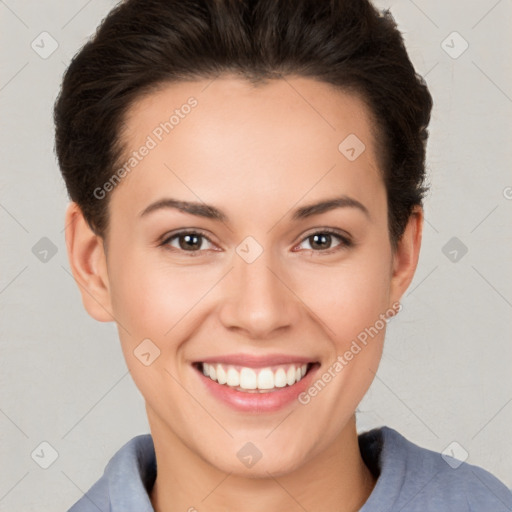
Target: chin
262, 469
253, 462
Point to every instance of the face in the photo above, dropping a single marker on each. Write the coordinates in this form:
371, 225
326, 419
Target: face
249, 245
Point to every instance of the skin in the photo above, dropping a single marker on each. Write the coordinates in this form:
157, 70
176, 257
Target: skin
257, 154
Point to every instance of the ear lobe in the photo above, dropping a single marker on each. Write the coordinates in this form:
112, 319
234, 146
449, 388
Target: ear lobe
87, 259
405, 258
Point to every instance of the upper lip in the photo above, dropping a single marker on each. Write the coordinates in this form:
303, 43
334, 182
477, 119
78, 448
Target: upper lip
253, 361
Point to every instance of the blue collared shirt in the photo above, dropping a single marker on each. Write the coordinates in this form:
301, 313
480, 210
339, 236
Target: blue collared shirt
410, 479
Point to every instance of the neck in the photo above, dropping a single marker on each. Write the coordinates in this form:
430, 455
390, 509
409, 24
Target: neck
336, 479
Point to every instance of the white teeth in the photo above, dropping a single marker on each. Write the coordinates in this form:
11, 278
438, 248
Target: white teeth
280, 378
265, 379
290, 376
249, 379
221, 375
233, 378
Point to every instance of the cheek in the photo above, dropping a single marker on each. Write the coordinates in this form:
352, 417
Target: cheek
350, 301
152, 298
151, 302
348, 297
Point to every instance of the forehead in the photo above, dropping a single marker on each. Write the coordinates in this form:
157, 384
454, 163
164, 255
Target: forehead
229, 138
300, 106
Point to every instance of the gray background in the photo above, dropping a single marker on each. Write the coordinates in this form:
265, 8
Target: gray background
446, 372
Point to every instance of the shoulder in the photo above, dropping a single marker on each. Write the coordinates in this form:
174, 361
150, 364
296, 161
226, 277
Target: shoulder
417, 479
126, 481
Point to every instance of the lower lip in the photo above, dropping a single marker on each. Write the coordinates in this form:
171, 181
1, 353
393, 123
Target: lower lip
269, 401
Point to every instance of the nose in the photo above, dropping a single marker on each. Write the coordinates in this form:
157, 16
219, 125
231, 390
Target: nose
258, 300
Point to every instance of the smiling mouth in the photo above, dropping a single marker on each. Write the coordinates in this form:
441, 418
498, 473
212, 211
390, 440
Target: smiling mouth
255, 380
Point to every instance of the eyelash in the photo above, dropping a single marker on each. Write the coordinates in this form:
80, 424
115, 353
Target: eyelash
345, 242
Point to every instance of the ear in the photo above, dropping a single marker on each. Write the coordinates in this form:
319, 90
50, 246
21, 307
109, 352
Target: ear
406, 255
87, 259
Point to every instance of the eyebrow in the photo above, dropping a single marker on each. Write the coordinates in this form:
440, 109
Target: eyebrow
211, 212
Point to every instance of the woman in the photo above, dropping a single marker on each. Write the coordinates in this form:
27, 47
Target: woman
246, 182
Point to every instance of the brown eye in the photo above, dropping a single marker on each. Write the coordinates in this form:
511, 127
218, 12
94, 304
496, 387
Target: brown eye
323, 241
320, 241
190, 242
187, 241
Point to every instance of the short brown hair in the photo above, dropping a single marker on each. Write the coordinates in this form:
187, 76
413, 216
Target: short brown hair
144, 44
